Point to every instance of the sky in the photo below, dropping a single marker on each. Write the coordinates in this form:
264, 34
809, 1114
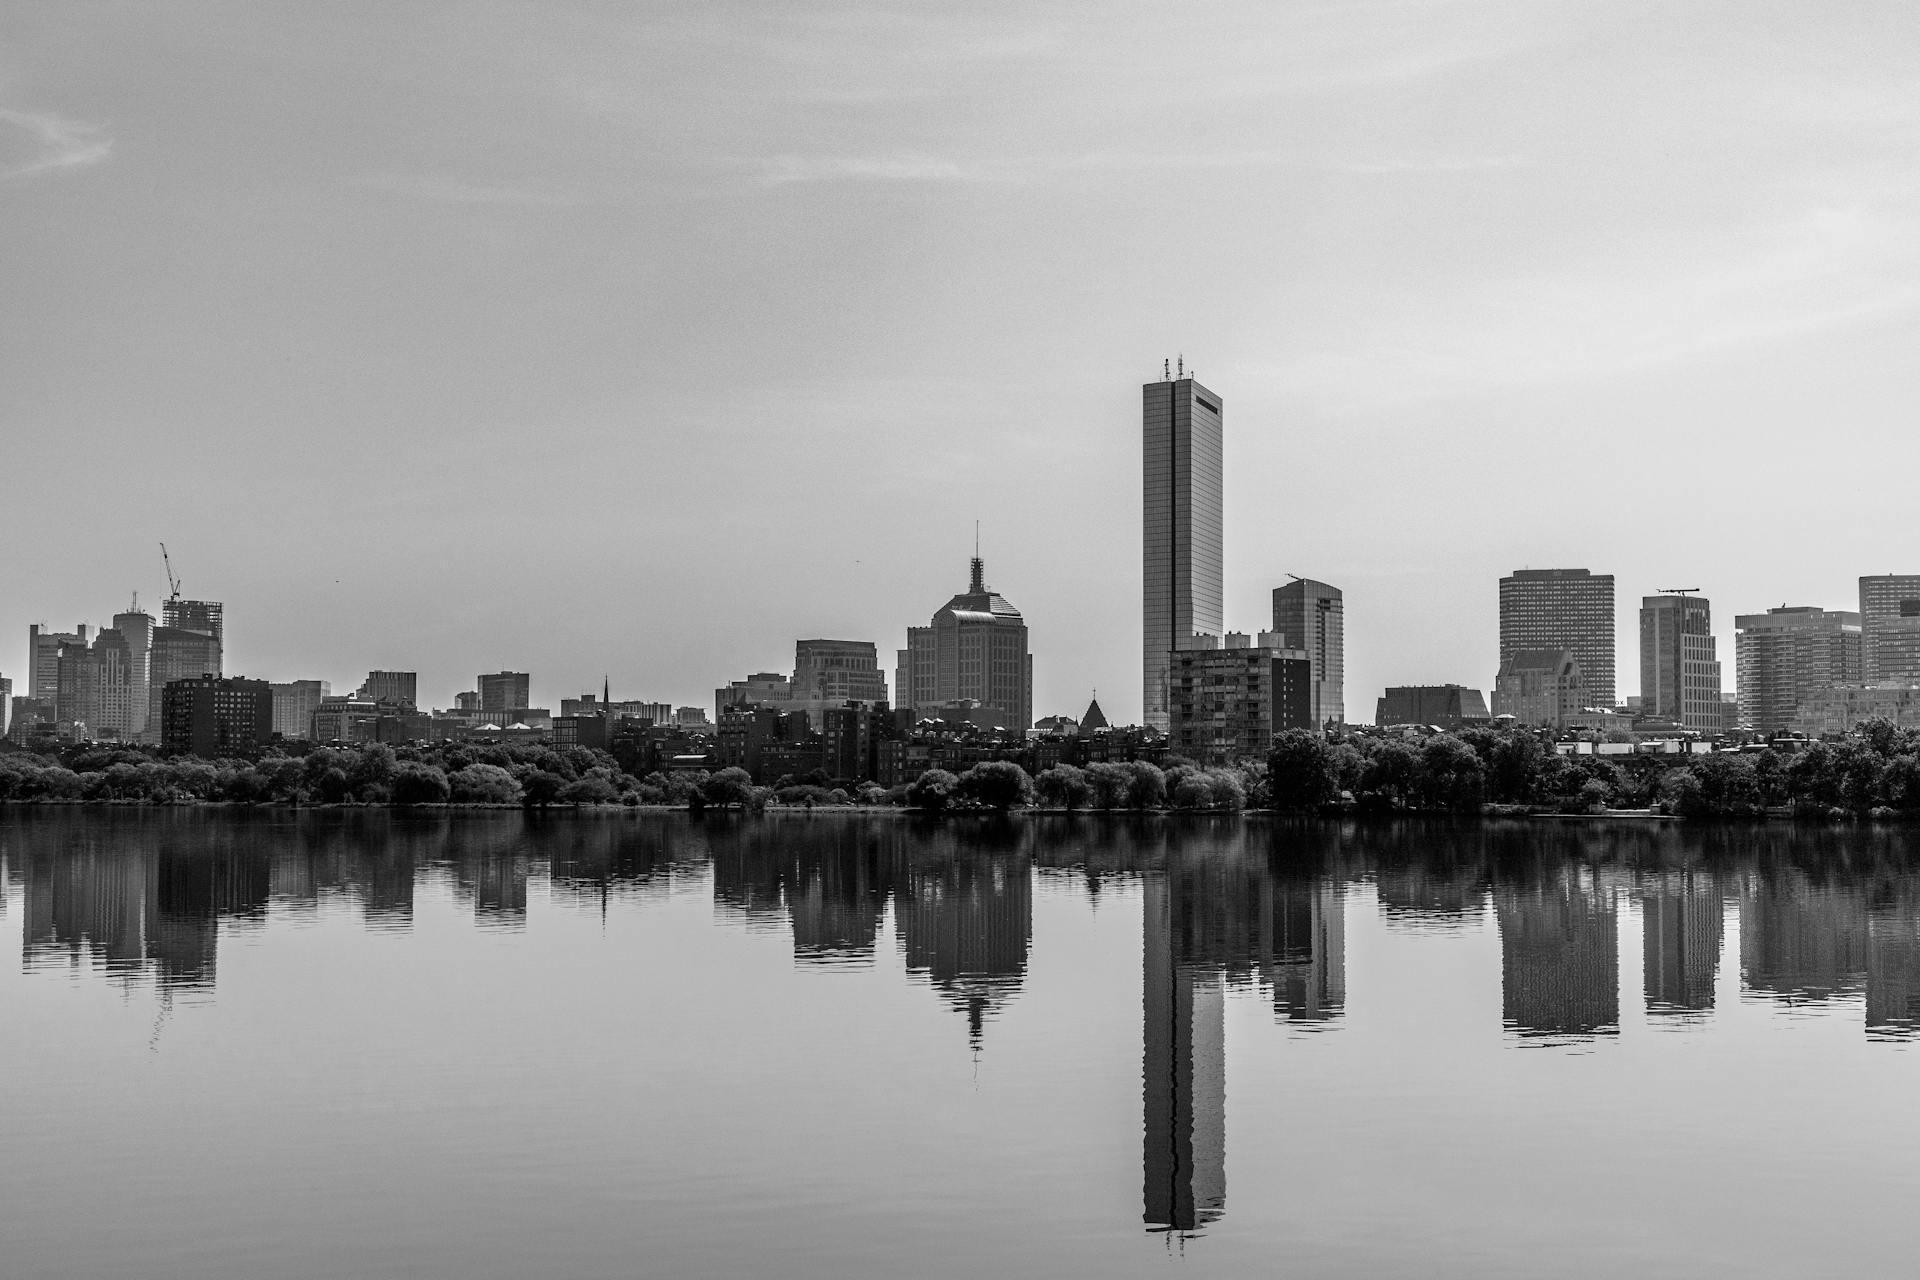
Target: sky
643, 339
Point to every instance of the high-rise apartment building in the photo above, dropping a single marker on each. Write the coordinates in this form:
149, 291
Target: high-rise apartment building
1226, 701
211, 716
974, 648
1182, 578
505, 690
1679, 663
1310, 616
1562, 609
1785, 656
1890, 628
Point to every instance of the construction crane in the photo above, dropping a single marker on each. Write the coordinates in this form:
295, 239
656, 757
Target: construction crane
173, 583
1679, 652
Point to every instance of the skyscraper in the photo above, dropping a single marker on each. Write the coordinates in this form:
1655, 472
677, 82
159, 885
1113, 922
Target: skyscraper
504, 690
1310, 615
1562, 609
177, 654
1679, 666
136, 625
1181, 528
1784, 656
974, 648
208, 617
1890, 628
831, 673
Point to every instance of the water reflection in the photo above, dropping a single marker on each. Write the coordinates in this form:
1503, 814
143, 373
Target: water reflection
1827, 920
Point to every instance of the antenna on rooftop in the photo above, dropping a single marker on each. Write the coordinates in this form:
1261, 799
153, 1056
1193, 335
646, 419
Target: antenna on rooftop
1166, 370
1183, 366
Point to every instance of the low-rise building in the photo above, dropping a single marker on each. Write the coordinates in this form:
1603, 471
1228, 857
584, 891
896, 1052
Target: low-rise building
1445, 706
1541, 687
1841, 708
210, 716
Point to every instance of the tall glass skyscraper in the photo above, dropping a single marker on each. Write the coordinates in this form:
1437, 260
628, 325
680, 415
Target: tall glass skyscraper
1181, 578
1310, 615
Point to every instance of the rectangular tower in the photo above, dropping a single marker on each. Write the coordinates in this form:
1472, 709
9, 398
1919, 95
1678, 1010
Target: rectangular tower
1181, 552
1679, 666
1310, 615
1890, 628
1784, 656
1562, 609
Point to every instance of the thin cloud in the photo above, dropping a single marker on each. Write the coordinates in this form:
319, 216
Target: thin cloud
38, 143
779, 170
455, 191
1434, 164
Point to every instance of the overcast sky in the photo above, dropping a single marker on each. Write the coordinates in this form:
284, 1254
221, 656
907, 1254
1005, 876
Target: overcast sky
644, 339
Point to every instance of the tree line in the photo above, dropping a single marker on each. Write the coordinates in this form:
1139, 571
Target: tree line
1874, 772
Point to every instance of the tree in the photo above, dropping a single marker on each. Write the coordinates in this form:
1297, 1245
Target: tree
932, 790
1300, 776
592, 787
1109, 782
1063, 787
999, 785
728, 787
1146, 786
483, 784
413, 783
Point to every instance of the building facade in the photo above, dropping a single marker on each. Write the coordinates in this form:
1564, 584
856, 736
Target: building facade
1841, 708
832, 673
208, 617
974, 648
212, 716
1890, 628
1448, 706
1311, 616
95, 686
1182, 529
1679, 662
294, 702
397, 687
177, 654
504, 690
1786, 655
1562, 609
1228, 696
1542, 687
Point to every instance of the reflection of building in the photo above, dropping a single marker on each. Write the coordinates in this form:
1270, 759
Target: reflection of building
965, 923
1181, 529
1681, 924
1183, 1070
1308, 951
1561, 609
1559, 958
1800, 941
1893, 966
1311, 616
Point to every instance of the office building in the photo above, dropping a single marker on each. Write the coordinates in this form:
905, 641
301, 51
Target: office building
1785, 656
1540, 687
1679, 663
1842, 708
1310, 616
1444, 706
136, 629
6, 706
95, 687
398, 688
1562, 609
212, 716
294, 702
974, 648
1182, 553
832, 673
1890, 628
759, 689
43, 661
504, 690
177, 654
1227, 697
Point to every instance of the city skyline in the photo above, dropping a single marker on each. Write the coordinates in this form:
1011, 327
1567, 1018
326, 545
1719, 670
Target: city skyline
451, 384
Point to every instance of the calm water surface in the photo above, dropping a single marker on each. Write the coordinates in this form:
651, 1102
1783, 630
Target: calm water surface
613, 1044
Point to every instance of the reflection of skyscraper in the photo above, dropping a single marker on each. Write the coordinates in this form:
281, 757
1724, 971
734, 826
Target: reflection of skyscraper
1183, 1070
1893, 966
1181, 530
965, 922
1559, 958
837, 900
1799, 941
1681, 919
1308, 968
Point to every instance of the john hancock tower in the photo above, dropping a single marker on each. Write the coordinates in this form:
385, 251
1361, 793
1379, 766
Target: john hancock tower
1181, 527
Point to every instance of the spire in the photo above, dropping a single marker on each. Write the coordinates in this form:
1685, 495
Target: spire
606, 695
979, 584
